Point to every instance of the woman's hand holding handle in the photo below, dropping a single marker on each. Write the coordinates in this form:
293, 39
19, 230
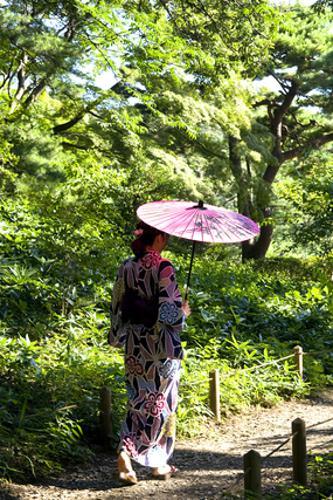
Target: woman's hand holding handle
186, 308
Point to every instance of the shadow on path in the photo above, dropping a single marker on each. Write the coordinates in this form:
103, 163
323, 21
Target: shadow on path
200, 471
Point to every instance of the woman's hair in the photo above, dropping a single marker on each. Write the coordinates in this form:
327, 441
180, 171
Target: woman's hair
145, 236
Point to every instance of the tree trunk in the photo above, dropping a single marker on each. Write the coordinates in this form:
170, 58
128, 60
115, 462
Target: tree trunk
244, 204
258, 249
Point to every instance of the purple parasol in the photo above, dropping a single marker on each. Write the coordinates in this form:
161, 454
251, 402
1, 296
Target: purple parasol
198, 222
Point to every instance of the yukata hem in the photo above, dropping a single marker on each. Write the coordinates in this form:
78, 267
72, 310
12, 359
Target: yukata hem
144, 460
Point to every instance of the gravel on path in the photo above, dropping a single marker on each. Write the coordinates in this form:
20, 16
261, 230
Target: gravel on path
210, 467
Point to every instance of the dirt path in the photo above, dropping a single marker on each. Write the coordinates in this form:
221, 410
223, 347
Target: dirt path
209, 466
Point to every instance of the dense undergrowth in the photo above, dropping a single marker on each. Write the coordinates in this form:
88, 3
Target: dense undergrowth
243, 315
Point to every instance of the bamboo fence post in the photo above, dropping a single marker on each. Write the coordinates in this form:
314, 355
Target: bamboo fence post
299, 451
252, 474
105, 416
298, 353
214, 393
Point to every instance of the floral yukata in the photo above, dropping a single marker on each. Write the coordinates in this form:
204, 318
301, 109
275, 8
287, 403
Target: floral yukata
152, 359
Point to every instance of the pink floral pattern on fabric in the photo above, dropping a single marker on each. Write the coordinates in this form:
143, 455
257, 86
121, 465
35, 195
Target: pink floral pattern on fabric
155, 403
147, 433
150, 260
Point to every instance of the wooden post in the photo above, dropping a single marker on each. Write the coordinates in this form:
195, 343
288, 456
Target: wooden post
299, 451
298, 353
214, 393
252, 474
105, 416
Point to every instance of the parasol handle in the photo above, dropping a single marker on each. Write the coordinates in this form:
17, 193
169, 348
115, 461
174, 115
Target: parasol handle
190, 271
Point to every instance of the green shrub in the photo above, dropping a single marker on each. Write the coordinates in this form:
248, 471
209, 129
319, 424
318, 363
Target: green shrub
50, 392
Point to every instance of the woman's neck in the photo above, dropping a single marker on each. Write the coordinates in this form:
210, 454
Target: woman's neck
153, 248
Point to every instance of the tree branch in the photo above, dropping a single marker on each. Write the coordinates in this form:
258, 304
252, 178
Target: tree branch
36, 91
7, 76
96, 115
106, 59
69, 145
205, 149
235, 161
315, 143
21, 77
264, 102
282, 109
284, 87
67, 125
62, 127
276, 118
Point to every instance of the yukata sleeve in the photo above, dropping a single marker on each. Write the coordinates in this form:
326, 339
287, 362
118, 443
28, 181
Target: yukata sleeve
118, 330
170, 313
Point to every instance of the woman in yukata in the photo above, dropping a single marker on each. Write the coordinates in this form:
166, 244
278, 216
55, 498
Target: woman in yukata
147, 317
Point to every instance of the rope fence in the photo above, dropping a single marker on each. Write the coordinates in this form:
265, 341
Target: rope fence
215, 378
323, 445
253, 461
320, 423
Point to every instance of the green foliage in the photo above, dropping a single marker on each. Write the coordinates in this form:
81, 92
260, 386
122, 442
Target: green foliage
271, 302
308, 205
320, 471
50, 393
220, 37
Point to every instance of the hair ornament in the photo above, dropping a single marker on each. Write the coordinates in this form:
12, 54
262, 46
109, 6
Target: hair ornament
138, 232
